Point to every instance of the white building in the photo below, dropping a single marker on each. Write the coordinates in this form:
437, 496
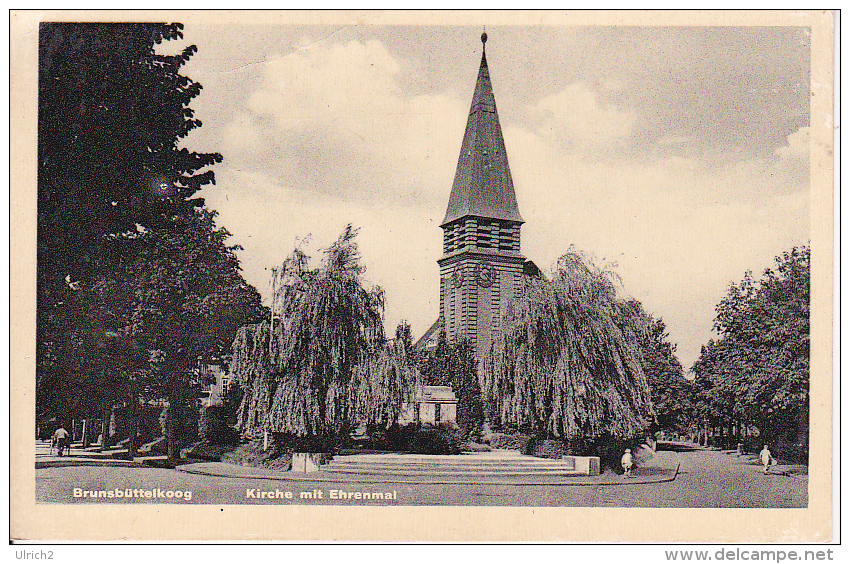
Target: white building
215, 381
435, 405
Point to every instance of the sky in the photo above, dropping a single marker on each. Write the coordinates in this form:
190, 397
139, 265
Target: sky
678, 155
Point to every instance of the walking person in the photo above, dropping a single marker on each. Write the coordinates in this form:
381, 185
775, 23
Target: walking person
766, 459
60, 438
627, 463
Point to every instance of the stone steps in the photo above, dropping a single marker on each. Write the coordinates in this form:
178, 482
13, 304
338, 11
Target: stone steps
468, 467
498, 457
490, 464
457, 466
508, 472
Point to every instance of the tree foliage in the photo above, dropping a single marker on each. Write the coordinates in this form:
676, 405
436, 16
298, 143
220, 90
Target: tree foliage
382, 383
110, 114
136, 283
111, 111
670, 391
324, 362
190, 296
190, 300
567, 363
453, 364
757, 370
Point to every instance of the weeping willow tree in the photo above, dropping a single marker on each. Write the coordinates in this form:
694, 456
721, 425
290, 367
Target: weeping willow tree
322, 363
567, 364
251, 363
382, 383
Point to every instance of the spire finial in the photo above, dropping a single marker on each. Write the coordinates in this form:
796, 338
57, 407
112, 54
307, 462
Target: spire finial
484, 37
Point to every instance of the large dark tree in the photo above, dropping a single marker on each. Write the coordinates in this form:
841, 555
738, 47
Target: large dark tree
136, 284
190, 301
95, 355
670, 391
110, 114
757, 370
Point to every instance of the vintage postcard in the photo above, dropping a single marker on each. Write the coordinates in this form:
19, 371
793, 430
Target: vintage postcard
422, 276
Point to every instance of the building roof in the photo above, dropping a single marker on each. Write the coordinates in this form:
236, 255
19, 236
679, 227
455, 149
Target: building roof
483, 186
437, 394
429, 339
531, 269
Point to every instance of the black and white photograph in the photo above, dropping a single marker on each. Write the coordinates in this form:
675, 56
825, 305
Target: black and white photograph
425, 259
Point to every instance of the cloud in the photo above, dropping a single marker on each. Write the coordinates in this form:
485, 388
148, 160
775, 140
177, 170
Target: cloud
680, 228
399, 244
673, 140
329, 137
797, 147
574, 116
333, 119
637, 159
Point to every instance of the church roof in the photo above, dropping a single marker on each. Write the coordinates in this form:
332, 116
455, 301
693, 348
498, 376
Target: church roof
483, 185
429, 339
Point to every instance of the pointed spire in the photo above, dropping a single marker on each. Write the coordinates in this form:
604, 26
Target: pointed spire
483, 186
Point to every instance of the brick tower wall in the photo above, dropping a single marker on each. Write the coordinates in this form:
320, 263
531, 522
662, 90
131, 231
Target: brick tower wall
480, 273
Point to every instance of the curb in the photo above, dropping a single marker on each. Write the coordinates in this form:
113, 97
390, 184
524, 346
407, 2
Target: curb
83, 462
413, 479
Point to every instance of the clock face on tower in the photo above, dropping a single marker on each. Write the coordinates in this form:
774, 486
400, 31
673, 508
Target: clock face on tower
457, 276
484, 275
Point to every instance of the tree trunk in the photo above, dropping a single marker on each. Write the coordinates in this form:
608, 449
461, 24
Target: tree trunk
86, 432
132, 444
104, 428
171, 428
174, 419
272, 442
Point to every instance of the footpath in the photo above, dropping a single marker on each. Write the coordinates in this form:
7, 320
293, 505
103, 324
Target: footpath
781, 468
46, 457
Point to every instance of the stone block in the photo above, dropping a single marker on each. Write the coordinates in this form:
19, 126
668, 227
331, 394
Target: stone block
586, 465
569, 461
304, 462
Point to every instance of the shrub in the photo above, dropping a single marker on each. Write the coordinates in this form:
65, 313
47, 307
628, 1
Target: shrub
795, 453
213, 427
509, 442
206, 451
429, 439
436, 440
471, 446
546, 448
252, 454
286, 442
396, 438
414, 439
608, 448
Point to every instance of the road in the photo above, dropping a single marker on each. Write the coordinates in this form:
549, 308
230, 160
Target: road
706, 478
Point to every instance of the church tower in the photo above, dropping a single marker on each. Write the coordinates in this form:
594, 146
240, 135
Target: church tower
481, 267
